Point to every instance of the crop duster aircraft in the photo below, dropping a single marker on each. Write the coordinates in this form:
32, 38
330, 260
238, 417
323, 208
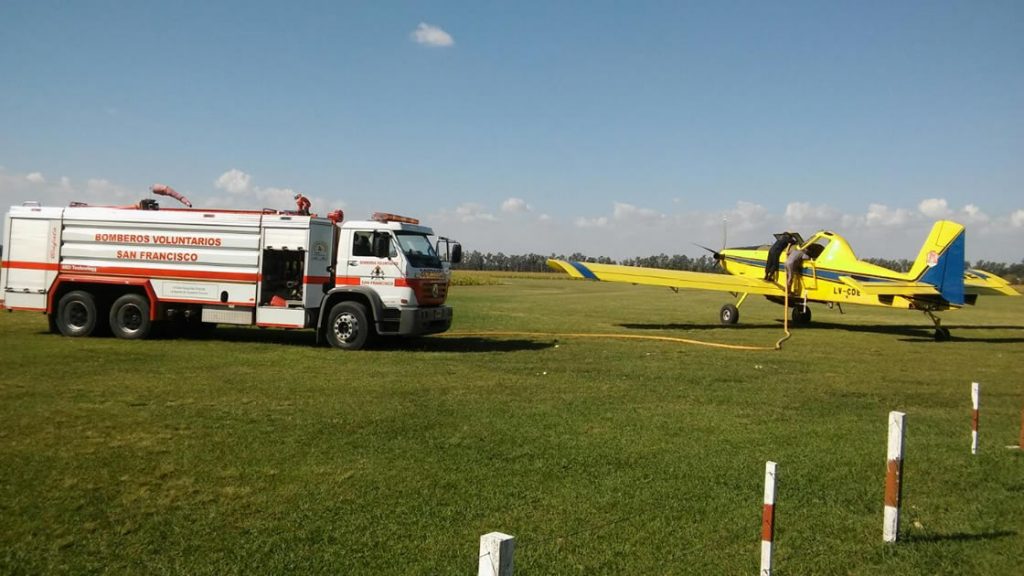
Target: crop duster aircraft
832, 275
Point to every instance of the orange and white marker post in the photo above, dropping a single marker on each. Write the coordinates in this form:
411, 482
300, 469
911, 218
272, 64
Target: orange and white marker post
975, 402
768, 519
893, 477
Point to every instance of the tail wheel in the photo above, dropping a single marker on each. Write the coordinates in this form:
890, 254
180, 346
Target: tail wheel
729, 314
348, 326
76, 314
129, 317
801, 314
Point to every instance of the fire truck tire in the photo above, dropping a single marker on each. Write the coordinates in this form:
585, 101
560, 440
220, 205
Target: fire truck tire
129, 317
348, 326
76, 314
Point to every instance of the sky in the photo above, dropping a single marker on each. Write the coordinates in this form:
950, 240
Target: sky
608, 128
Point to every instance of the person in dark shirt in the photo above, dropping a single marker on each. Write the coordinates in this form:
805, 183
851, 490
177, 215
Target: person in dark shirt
771, 268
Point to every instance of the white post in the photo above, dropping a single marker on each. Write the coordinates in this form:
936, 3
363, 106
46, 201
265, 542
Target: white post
893, 477
768, 519
975, 401
496, 550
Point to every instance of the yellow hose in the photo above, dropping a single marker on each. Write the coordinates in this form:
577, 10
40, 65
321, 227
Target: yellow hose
622, 337
785, 318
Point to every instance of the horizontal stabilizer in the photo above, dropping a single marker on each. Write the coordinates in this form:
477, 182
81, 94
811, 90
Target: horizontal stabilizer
981, 282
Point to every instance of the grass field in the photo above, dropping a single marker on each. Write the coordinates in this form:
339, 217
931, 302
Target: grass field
254, 452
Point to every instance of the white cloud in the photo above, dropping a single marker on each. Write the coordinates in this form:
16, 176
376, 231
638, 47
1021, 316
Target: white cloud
629, 213
244, 193
807, 214
599, 222
971, 214
234, 181
1017, 219
936, 208
472, 212
35, 178
430, 35
745, 216
514, 205
880, 215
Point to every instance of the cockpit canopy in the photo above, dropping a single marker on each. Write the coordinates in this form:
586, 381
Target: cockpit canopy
828, 247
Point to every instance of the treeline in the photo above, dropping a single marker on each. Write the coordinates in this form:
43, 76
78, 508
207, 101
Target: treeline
1012, 272
501, 262
475, 260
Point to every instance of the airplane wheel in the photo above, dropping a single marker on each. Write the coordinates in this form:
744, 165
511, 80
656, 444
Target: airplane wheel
729, 314
941, 334
801, 315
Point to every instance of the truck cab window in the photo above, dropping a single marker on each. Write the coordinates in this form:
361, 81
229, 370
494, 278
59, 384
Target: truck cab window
362, 244
418, 250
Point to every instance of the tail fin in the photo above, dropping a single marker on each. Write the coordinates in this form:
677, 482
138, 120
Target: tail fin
941, 261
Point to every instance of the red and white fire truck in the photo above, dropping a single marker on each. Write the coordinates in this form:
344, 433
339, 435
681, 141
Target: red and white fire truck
126, 269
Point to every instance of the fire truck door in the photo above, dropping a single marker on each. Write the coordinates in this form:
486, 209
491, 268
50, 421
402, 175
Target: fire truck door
363, 268
31, 255
319, 260
282, 267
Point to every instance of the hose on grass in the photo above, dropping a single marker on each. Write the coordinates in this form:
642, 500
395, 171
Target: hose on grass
620, 337
777, 346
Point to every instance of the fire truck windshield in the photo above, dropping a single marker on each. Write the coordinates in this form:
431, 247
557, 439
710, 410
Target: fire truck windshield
418, 250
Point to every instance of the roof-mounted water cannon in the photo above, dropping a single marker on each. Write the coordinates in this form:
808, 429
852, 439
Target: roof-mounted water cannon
165, 190
336, 216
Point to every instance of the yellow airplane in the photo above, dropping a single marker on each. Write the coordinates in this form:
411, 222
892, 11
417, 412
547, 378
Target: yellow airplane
831, 275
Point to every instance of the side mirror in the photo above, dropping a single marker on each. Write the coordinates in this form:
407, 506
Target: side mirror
456, 254
381, 245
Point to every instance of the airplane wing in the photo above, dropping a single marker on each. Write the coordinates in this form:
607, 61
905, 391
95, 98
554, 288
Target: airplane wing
669, 278
981, 282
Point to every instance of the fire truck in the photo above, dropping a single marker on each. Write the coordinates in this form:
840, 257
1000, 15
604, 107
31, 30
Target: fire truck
128, 270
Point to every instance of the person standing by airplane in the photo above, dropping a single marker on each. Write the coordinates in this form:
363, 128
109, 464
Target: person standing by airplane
794, 267
771, 267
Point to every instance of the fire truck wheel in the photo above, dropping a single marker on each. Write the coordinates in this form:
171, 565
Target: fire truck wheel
129, 317
76, 314
348, 327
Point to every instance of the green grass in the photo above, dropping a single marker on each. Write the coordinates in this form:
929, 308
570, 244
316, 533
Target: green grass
254, 452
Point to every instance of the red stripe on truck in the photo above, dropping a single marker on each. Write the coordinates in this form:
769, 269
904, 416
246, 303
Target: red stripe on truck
25, 265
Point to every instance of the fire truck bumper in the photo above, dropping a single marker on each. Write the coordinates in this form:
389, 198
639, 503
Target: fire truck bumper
419, 321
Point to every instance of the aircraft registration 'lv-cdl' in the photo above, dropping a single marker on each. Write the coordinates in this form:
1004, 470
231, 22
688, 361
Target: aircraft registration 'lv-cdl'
825, 271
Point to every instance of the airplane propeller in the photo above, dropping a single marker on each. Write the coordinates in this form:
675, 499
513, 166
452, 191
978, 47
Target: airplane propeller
714, 253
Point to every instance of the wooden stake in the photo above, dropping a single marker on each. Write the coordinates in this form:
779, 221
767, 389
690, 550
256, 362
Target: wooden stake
975, 401
496, 550
768, 519
893, 477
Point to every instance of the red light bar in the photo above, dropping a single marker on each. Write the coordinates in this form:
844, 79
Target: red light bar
386, 217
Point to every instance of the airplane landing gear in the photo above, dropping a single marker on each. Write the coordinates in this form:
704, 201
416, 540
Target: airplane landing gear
729, 314
801, 315
941, 333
